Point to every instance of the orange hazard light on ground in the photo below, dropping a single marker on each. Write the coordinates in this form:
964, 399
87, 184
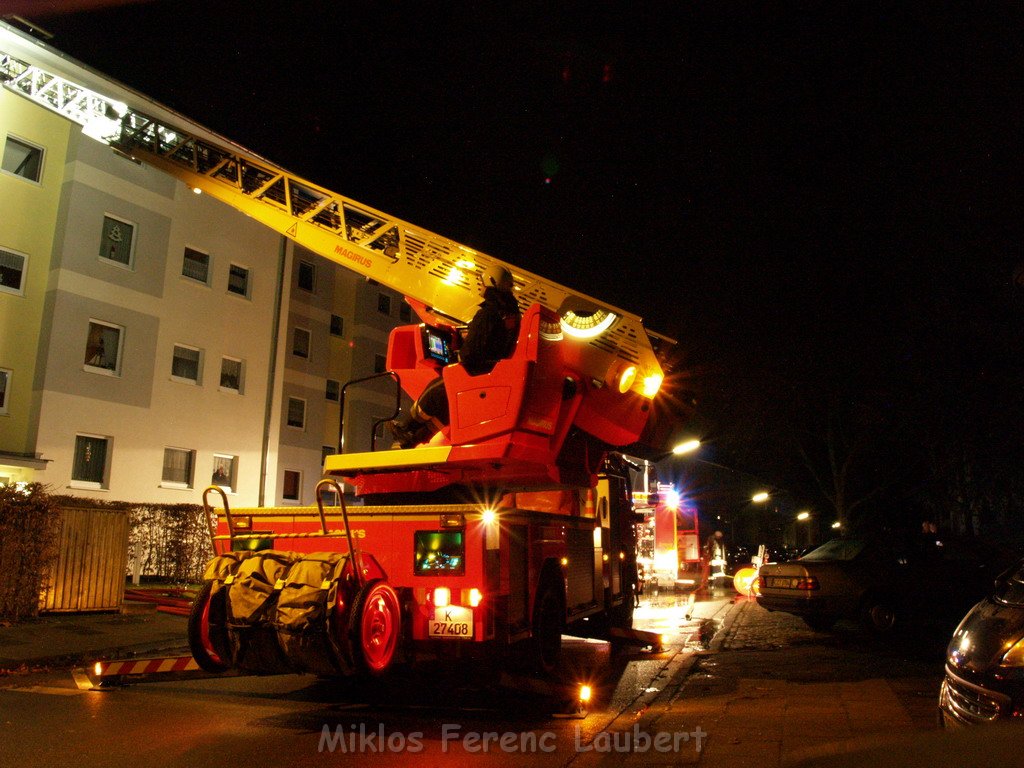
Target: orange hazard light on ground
745, 581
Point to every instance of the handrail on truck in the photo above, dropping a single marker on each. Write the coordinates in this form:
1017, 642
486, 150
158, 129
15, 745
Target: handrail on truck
353, 553
232, 537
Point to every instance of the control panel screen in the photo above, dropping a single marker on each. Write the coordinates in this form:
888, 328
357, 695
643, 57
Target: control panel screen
437, 345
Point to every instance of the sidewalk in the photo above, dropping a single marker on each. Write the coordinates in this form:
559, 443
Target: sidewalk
771, 692
64, 640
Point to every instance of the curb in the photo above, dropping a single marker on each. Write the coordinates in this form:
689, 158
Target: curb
69, 660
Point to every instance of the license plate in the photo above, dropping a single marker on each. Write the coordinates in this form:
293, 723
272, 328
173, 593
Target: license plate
452, 623
781, 582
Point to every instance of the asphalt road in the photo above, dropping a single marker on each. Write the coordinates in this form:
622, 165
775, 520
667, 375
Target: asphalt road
435, 713
790, 689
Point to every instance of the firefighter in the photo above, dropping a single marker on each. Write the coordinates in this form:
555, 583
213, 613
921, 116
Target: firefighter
714, 557
490, 337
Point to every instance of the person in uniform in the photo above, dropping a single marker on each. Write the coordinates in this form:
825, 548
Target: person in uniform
491, 336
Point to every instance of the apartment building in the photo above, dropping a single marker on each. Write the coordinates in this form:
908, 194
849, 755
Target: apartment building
154, 341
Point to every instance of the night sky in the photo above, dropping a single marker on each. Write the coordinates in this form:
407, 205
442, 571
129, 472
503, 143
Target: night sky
804, 194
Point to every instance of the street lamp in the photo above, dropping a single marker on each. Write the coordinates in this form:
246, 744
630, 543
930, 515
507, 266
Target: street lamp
760, 497
804, 516
688, 446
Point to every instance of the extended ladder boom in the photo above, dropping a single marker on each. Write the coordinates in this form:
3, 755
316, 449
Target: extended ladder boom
426, 267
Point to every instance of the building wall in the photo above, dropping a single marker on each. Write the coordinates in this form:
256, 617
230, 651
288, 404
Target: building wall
143, 408
27, 227
138, 426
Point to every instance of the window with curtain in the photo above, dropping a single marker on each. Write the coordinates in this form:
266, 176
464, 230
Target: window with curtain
196, 265
178, 463
186, 363
231, 374
238, 280
90, 462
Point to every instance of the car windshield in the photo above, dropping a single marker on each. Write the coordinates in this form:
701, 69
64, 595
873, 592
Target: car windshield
1011, 589
837, 549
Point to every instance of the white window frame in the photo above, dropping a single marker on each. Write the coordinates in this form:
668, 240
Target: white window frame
6, 374
241, 376
298, 487
118, 359
20, 290
309, 342
107, 460
31, 145
130, 266
287, 414
209, 265
190, 482
232, 479
248, 281
199, 365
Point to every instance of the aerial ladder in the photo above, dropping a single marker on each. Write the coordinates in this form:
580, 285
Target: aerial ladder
528, 445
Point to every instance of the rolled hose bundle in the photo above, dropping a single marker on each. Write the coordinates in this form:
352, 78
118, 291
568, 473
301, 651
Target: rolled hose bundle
270, 612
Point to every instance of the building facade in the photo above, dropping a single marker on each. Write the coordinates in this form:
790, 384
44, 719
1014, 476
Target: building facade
154, 341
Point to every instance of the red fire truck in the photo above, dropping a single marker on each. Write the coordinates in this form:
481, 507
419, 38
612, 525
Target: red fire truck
513, 526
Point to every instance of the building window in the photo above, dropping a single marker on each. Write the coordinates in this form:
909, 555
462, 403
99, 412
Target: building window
231, 374
187, 364
292, 490
300, 343
5, 387
178, 464
225, 471
384, 304
307, 276
196, 266
337, 325
296, 413
117, 242
238, 280
12, 272
92, 454
380, 363
333, 390
103, 348
405, 313
23, 159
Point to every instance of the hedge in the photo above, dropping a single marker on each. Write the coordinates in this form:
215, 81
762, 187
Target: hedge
28, 536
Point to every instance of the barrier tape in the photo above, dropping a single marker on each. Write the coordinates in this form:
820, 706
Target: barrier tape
144, 666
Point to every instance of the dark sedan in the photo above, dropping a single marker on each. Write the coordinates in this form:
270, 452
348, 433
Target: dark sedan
884, 582
985, 659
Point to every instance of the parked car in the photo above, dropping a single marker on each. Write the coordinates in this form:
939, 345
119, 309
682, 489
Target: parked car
884, 582
985, 659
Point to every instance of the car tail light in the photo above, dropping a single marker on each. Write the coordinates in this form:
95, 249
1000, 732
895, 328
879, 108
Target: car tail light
808, 582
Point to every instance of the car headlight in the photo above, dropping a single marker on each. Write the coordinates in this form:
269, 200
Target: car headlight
1014, 657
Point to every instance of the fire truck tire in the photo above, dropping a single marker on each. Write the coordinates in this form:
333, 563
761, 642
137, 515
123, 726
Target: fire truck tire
204, 637
548, 623
375, 627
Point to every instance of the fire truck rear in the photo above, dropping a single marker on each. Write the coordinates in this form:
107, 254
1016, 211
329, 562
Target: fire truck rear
513, 526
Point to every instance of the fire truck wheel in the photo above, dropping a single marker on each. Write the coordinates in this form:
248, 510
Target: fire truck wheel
203, 638
375, 627
548, 621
